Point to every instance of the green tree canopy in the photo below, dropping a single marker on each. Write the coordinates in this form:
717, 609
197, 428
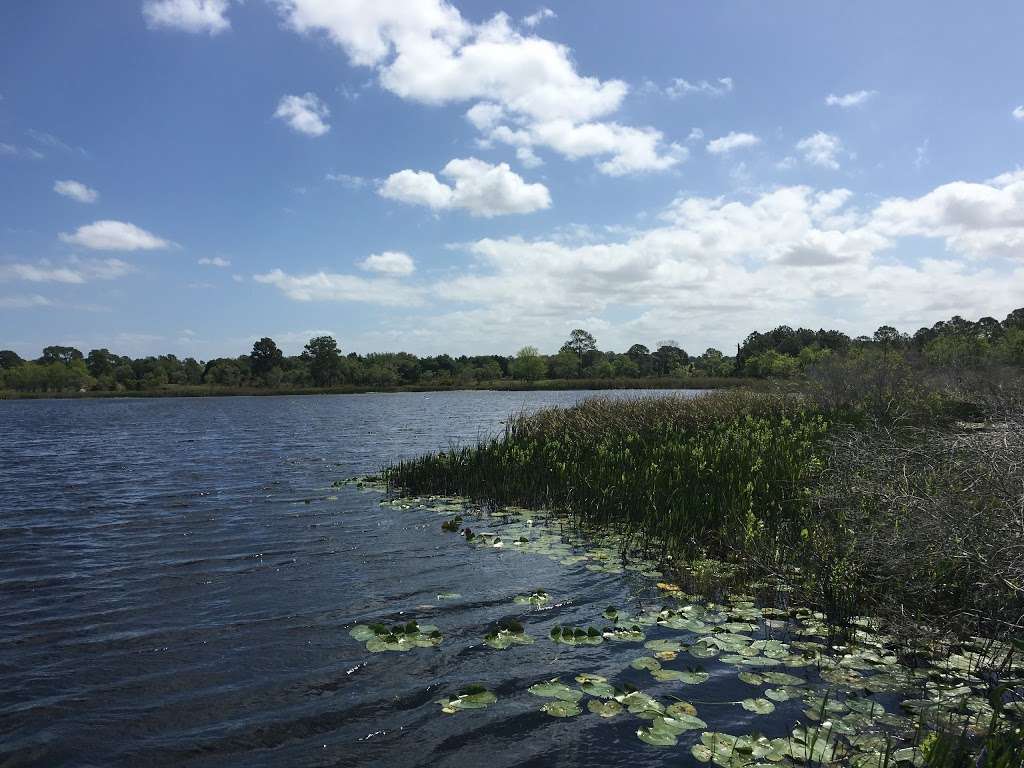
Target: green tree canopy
265, 356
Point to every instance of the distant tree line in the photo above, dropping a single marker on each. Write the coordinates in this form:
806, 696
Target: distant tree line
780, 353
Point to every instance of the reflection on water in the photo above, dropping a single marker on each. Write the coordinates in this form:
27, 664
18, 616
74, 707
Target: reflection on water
180, 581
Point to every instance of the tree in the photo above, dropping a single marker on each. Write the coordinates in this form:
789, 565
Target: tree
1015, 319
324, 360
641, 356
529, 365
580, 342
668, 358
265, 356
57, 354
9, 359
100, 362
887, 336
565, 365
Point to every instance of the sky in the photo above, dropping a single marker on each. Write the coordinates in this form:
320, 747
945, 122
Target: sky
186, 176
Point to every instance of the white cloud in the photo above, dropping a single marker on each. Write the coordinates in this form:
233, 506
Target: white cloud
75, 272
394, 263
325, 286
847, 100
76, 190
305, 114
712, 269
536, 18
425, 51
1018, 112
732, 141
347, 180
820, 149
216, 261
108, 235
976, 219
679, 87
188, 15
24, 302
480, 188
921, 154
696, 134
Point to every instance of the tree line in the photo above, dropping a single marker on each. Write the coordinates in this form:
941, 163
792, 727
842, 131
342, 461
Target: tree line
780, 353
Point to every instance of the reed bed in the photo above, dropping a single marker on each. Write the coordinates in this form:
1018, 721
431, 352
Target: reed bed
716, 475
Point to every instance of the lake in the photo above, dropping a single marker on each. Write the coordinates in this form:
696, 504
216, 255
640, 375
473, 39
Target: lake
179, 578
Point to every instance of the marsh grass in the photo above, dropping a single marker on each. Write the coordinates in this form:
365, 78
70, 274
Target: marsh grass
711, 475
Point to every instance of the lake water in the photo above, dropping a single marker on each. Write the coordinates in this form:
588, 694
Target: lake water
178, 579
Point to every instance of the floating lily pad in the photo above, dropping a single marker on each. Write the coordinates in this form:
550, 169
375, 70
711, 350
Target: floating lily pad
758, 706
604, 708
645, 662
777, 694
680, 708
507, 634
401, 637
576, 635
555, 689
540, 597
470, 697
663, 645
561, 708
639, 703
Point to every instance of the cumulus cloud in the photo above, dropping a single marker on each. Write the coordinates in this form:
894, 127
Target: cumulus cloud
540, 15
847, 100
326, 286
425, 51
478, 187
216, 261
976, 219
820, 149
194, 16
1018, 112
305, 114
712, 269
728, 143
109, 235
76, 190
75, 271
394, 263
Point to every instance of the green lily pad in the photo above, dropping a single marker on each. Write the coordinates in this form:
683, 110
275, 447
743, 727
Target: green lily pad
663, 645
471, 697
555, 689
540, 597
758, 706
645, 662
561, 708
632, 634
604, 708
575, 635
680, 708
777, 694
401, 637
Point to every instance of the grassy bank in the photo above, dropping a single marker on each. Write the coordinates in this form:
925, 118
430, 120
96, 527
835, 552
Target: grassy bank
708, 476
512, 385
922, 520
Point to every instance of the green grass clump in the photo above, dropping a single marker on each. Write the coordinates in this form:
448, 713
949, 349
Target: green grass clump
716, 474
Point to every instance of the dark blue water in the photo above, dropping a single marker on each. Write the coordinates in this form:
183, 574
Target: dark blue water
178, 579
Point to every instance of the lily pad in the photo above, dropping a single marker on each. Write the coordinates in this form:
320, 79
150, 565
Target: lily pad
555, 689
758, 706
561, 708
470, 697
508, 633
575, 635
604, 708
540, 597
401, 637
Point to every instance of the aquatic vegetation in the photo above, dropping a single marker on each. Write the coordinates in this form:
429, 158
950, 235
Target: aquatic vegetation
561, 708
604, 708
539, 597
470, 697
508, 633
576, 635
596, 685
716, 474
401, 637
555, 689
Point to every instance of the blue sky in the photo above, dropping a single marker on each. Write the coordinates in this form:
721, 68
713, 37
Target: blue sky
188, 175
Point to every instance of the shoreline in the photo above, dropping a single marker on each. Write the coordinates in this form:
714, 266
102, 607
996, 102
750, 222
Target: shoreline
544, 385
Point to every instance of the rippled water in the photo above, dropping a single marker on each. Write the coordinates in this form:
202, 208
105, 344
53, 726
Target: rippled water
178, 580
